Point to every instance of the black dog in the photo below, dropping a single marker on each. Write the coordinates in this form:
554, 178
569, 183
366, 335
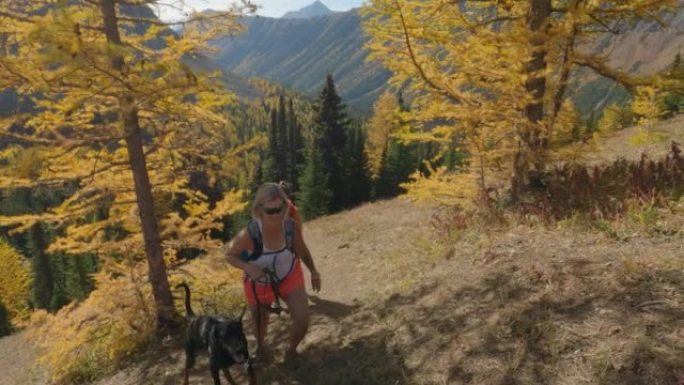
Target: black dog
223, 338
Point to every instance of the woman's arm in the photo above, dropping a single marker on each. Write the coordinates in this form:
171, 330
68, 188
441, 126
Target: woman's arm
242, 242
302, 251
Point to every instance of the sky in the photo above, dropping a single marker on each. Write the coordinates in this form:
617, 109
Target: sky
271, 8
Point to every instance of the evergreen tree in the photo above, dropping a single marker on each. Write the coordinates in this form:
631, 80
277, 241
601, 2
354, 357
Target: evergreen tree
673, 99
455, 156
282, 153
398, 164
43, 282
591, 123
59, 294
356, 168
270, 169
5, 325
78, 284
296, 147
314, 196
331, 125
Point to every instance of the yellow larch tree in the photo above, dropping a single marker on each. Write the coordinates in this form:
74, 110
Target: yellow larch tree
496, 73
119, 119
15, 282
384, 122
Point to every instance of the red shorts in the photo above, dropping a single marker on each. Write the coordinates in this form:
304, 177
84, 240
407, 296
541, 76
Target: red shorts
292, 282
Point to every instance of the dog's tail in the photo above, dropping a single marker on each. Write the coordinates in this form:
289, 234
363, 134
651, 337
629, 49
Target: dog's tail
188, 308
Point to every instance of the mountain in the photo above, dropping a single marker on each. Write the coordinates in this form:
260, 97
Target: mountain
299, 53
316, 9
645, 49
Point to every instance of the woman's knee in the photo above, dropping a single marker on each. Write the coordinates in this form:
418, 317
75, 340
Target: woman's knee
298, 304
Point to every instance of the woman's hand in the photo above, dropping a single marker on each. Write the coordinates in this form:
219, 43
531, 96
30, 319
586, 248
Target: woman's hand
316, 280
253, 271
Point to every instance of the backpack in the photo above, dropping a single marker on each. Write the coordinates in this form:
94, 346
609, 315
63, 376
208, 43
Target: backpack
257, 239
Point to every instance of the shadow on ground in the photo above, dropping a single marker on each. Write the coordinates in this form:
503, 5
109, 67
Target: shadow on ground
563, 324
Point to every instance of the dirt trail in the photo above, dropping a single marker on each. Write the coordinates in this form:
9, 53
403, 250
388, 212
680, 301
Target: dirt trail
17, 362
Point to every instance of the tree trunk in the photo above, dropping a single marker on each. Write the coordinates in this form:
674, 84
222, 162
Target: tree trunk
143, 189
532, 137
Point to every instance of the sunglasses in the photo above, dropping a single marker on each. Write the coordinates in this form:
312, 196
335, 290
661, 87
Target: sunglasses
273, 210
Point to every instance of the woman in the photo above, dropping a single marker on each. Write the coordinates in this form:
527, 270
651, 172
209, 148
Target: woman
276, 263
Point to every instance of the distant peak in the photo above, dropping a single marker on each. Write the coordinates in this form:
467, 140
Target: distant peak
315, 9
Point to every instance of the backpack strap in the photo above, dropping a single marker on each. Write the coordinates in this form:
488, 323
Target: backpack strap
257, 240
255, 234
289, 234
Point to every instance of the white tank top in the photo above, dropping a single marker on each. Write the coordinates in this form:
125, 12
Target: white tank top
280, 262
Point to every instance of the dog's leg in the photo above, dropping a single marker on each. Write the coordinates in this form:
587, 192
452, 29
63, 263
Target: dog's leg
229, 378
251, 375
215, 373
189, 360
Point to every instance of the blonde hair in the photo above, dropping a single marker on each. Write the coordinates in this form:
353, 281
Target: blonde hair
267, 192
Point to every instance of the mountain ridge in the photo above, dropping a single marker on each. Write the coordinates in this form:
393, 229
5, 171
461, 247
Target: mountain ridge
315, 9
298, 53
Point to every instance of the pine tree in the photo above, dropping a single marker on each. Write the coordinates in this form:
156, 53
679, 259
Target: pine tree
331, 126
43, 282
673, 79
356, 168
314, 196
270, 167
5, 324
78, 284
283, 143
397, 165
296, 147
59, 293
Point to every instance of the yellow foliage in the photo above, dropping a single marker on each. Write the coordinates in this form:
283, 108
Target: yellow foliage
497, 72
215, 285
614, 118
646, 105
443, 187
384, 122
69, 70
118, 319
15, 283
113, 323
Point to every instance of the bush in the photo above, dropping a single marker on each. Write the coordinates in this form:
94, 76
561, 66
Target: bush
606, 191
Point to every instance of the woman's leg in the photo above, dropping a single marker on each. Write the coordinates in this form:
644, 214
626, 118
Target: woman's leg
298, 305
260, 319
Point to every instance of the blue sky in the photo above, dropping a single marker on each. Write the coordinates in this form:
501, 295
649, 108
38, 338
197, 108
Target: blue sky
272, 8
